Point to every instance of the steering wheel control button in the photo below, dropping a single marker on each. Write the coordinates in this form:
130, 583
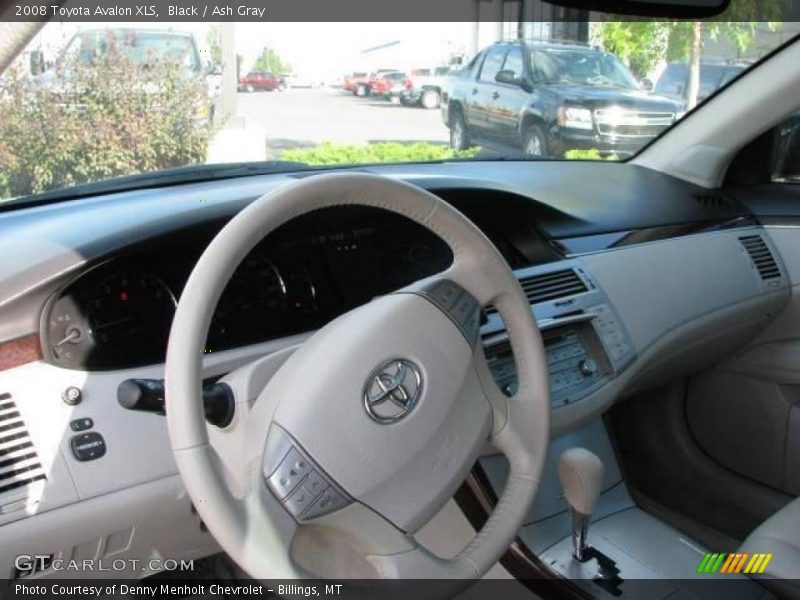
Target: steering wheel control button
445, 293
300, 500
81, 424
88, 446
292, 470
329, 501
277, 447
392, 390
315, 483
459, 305
72, 395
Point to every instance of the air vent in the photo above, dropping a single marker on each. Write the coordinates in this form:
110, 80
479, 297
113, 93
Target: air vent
19, 463
549, 286
711, 200
761, 256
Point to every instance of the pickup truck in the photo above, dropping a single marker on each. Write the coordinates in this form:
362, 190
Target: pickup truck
426, 87
548, 98
374, 83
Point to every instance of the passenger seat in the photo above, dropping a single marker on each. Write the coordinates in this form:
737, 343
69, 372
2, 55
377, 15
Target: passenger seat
779, 535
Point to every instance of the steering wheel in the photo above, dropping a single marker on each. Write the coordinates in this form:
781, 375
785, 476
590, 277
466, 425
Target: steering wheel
343, 447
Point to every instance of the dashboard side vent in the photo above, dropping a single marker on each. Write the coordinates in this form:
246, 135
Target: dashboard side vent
549, 286
761, 256
711, 200
19, 463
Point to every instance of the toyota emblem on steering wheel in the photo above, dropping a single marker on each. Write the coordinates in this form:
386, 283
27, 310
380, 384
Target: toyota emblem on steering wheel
392, 391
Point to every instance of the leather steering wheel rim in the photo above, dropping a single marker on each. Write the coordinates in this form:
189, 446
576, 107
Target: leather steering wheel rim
252, 526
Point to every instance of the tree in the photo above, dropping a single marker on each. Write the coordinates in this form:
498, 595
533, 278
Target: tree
269, 60
642, 44
214, 48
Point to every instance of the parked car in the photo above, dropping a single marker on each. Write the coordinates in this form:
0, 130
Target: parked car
426, 87
372, 83
550, 98
352, 81
261, 81
674, 80
142, 47
390, 85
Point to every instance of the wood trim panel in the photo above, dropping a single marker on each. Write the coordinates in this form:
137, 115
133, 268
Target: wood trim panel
20, 351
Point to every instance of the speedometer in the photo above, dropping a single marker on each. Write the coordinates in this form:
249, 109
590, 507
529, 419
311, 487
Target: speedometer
131, 310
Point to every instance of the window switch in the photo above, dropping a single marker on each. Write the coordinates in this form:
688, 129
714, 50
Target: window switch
81, 424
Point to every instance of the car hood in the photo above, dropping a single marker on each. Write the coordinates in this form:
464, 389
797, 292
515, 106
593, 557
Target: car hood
599, 96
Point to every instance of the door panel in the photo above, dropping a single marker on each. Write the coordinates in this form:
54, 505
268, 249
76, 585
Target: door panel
507, 102
479, 96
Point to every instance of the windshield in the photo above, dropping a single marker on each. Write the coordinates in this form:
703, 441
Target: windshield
90, 103
582, 67
141, 48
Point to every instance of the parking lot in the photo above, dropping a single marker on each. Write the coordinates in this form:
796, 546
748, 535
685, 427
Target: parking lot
301, 118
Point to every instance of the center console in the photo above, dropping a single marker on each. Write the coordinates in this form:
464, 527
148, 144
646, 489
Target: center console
586, 342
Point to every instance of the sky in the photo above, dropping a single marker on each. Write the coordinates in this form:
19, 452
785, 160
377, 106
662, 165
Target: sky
318, 49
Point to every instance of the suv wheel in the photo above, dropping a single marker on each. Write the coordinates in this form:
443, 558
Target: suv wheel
534, 142
429, 99
361, 90
459, 133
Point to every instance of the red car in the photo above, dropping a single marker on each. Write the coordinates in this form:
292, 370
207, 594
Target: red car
388, 83
352, 81
261, 80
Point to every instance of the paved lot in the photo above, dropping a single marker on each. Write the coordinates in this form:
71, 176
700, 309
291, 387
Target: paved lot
299, 118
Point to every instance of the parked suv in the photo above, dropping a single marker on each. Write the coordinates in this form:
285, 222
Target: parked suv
674, 81
141, 47
550, 98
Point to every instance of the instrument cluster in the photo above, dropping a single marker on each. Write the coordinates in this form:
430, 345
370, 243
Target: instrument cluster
118, 314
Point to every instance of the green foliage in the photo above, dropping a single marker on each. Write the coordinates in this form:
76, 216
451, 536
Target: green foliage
330, 153
589, 154
93, 122
642, 44
269, 60
639, 44
214, 48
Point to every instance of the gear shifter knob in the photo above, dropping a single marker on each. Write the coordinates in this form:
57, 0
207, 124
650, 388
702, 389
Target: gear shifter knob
581, 475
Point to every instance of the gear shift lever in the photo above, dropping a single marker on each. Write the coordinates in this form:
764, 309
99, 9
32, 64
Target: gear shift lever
581, 475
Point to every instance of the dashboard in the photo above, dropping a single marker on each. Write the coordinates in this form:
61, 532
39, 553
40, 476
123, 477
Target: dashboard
634, 279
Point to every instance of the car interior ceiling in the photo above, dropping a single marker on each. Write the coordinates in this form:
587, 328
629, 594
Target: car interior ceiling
665, 288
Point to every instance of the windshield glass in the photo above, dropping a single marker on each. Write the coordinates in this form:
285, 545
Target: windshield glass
585, 67
89, 103
141, 48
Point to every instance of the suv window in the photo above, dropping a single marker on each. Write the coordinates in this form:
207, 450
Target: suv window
514, 62
673, 81
492, 64
141, 48
585, 67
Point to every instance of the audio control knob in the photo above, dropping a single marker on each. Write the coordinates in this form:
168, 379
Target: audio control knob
587, 367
